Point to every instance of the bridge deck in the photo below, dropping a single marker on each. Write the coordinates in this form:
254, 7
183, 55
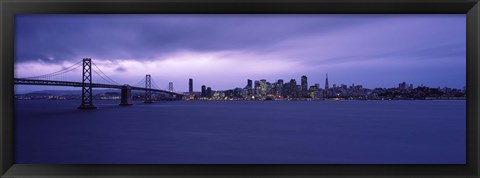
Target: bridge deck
21, 81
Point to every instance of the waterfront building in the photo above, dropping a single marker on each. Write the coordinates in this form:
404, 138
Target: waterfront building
204, 91
326, 87
257, 89
270, 89
304, 87
248, 90
410, 87
263, 88
299, 91
402, 86
229, 94
335, 91
313, 92
238, 93
280, 88
190, 86
208, 92
292, 89
216, 95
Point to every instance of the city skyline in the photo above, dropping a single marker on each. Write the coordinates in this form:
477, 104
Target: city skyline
193, 88
222, 51
285, 90
198, 88
303, 82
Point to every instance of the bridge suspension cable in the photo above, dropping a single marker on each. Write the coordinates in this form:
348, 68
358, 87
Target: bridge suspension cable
155, 85
57, 73
140, 83
105, 76
101, 76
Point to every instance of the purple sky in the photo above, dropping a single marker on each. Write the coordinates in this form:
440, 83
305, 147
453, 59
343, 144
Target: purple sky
223, 51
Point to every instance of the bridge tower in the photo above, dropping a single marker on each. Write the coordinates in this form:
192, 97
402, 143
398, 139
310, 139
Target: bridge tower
87, 85
170, 86
148, 92
126, 96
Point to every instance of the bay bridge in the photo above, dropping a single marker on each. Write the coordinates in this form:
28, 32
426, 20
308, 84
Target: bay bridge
87, 84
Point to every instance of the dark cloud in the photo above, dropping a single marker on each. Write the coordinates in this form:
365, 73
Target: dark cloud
422, 53
120, 69
315, 41
149, 36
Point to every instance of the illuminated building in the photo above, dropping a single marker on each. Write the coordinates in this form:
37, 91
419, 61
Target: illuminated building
313, 92
304, 87
257, 89
279, 88
263, 88
326, 87
248, 89
292, 89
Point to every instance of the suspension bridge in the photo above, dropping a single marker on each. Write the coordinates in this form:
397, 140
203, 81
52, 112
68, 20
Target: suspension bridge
87, 84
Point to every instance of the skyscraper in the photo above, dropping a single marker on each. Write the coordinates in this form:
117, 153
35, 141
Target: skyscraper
280, 90
190, 86
257, 89
402, 86
292, 89
326, 86
313, 90
208, 93
204, 91
280, 81
248, 89
263, 88
304, 87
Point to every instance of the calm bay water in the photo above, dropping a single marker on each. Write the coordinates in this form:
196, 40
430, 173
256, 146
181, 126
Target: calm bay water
272, 132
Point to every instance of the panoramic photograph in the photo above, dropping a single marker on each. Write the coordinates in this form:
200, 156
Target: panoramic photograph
240, 89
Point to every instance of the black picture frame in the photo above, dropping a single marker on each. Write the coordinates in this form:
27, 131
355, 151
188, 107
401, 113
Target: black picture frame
9, 8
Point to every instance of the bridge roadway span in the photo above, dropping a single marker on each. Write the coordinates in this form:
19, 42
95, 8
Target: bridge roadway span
20, 81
